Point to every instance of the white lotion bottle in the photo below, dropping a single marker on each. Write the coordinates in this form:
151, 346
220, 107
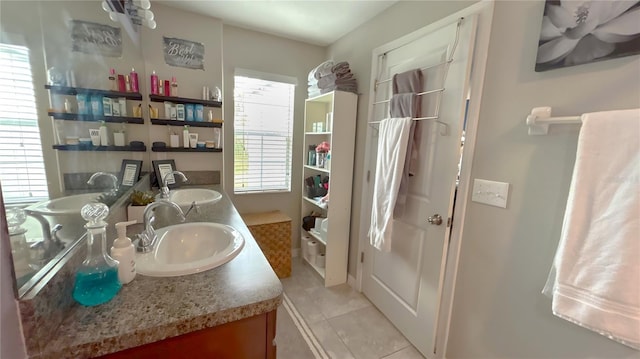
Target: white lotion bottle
124, 252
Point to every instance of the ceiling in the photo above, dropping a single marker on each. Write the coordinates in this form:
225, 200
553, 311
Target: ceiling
316, 22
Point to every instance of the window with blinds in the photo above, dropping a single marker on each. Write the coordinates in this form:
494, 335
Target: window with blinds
263, 127
21, 163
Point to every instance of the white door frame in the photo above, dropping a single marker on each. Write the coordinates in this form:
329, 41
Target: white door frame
484, 10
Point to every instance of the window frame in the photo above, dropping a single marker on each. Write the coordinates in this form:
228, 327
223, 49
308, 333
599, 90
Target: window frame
274, 78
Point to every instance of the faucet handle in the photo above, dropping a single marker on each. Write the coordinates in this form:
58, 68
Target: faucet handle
194, 206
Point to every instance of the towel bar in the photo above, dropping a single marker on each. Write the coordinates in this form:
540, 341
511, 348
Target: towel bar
540, 119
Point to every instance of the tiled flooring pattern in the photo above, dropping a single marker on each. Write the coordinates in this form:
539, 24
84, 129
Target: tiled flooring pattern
345, 323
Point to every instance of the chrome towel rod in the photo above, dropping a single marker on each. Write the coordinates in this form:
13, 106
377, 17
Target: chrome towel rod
540, 119
418, 94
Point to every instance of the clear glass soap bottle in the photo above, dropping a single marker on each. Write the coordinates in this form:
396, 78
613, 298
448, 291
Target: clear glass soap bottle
97, 278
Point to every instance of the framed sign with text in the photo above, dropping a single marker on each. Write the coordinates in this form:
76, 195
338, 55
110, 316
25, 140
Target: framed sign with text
98, 39
183, 53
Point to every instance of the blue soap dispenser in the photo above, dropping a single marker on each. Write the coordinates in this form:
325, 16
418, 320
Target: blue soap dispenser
97, 278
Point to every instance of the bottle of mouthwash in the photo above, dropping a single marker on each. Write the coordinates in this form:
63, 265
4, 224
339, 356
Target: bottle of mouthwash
97, 278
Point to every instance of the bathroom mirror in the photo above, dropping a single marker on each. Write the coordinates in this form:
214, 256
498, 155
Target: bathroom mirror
51, 53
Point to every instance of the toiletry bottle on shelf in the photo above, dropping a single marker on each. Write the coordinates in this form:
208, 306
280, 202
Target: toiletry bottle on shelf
104, 134
124, 253
154, 83
174, 87
97, 278
185, 137
127, 83
133, 76
210, 116
167, 88
113, 83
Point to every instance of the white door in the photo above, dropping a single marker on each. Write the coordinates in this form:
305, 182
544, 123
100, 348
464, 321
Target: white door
406, 283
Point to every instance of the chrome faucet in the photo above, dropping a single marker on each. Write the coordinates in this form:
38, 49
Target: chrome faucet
114, 180
50, 245
164, 190
148, 238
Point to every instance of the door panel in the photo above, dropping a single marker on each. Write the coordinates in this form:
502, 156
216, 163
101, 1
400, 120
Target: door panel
406, 283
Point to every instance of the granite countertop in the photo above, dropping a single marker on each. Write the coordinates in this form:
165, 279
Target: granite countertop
151, 309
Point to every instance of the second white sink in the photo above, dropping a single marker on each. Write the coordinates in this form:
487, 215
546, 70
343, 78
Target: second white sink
189, 248
183, 197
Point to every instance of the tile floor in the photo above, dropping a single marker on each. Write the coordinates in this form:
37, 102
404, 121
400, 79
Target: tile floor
344, 322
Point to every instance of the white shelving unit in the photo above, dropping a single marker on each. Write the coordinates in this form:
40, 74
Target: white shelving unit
339, 132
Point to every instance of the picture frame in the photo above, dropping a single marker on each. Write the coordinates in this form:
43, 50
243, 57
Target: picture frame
161, 168
129, 173
577, 32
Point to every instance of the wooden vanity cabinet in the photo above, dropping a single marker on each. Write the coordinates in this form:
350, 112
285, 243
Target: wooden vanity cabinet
248, 338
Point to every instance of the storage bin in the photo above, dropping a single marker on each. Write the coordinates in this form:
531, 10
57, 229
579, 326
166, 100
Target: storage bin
272, 231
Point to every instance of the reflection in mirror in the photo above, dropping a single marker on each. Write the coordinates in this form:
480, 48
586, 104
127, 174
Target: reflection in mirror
54, 55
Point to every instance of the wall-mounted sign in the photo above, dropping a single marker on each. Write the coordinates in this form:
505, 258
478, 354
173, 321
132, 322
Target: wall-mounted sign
183, 53
92, 38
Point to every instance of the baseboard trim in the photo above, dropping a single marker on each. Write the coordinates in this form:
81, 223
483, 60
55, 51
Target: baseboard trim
351, 280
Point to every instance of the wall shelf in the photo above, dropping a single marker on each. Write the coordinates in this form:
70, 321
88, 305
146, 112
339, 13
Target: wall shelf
64, 90
156, 121
99, 148
160, 98
92, 118
182, 149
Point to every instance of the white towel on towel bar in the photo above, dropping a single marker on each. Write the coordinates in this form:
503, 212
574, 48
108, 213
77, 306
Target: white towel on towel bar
393, 138
595, 278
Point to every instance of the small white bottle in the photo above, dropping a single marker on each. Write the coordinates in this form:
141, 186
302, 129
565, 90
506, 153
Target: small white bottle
104, 134
124, 252
185, 137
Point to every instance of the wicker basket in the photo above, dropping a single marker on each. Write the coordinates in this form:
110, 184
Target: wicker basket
272, 231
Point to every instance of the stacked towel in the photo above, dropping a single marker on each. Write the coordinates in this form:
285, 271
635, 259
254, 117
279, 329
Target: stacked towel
329, 77
312, 81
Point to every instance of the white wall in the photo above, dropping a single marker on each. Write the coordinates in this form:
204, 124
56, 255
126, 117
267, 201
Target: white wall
355, 47
506, 254
256, 51
193, 27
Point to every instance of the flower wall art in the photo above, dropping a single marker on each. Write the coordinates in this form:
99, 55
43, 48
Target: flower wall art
578, 32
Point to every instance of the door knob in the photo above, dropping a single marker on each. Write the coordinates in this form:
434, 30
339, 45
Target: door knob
436, 219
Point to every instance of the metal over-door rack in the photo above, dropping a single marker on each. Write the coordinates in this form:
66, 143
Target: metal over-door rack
540, 119
438, 91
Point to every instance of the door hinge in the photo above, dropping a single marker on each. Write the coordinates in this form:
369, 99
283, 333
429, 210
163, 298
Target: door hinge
368, 175
361, 257
449, 222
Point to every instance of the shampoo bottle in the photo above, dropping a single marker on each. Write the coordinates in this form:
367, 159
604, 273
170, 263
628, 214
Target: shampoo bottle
174, 87
97, 278
124, 252
185, 137
154, 83
133, 76
104, 134
113, 83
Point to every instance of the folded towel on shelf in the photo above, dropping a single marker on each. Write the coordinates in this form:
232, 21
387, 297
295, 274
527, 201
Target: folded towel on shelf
409, 81
393, 137
327, 65
340, 67
334, 79
595, 278
345, 88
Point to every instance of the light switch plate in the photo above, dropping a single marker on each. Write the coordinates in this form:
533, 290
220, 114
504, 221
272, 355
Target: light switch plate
490, 192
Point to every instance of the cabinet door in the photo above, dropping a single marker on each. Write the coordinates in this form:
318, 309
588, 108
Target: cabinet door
248, 338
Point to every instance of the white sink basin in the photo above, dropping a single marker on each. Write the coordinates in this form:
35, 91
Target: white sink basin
189, 248
184, 197
66, 212
64, 205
